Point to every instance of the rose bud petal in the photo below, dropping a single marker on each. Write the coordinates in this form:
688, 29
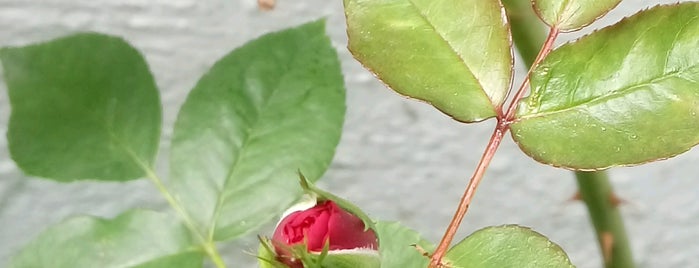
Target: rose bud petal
323, 223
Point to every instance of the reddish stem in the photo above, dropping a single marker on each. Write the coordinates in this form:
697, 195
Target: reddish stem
502, 127
545, 49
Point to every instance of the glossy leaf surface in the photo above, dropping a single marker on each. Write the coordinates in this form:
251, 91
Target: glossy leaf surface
569, 15
452, 54
263, 112
83, 107
627, 94
507, 246
143, 239
398, 246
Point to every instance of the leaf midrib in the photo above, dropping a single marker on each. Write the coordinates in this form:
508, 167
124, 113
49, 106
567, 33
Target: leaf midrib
167, 255
248, 137
611, 95
453, 49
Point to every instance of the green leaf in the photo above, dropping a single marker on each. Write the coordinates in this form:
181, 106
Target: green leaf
352, 258
627, 94
264, 111
137, 238
504, 247
399, 246
83, 107
570, 15
453, 54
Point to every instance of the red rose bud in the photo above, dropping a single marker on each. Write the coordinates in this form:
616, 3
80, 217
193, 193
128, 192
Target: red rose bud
323, 223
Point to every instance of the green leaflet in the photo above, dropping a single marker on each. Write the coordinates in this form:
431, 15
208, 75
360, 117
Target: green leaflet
137, 238
264, 111
398, 246
83, 107
627, 94
570, 15
453, 54
507, 246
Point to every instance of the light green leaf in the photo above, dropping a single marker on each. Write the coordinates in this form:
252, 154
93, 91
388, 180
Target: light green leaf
570, 15
625, 95
453, 54
83, 107
399, 246
351, 259
138, 238
264, 111
507, 246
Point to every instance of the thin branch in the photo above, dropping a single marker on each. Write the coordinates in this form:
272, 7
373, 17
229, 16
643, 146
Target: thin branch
495, 139
597, 193
493, 144
545, 49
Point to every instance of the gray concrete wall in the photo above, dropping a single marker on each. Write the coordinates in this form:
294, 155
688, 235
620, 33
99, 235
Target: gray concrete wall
398, 159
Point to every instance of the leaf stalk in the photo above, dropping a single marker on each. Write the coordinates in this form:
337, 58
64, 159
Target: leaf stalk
503, 125
527, 33
208, 246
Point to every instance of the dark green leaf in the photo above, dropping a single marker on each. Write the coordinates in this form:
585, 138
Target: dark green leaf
453, 54
507, 246
138, 238
83, 107
625, 95
400, 246
264, 111
569, 15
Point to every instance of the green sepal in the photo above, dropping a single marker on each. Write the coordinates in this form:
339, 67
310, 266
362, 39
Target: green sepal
266, 256
344, 204
349, 258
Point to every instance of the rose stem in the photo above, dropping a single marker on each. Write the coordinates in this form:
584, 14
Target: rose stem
595, 189
597, 194
503, 125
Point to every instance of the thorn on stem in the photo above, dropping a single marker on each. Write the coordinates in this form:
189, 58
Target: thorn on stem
266, 5
615, 201
607, 243
576, 197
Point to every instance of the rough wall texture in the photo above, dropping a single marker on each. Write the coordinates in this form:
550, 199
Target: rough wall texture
398, 159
